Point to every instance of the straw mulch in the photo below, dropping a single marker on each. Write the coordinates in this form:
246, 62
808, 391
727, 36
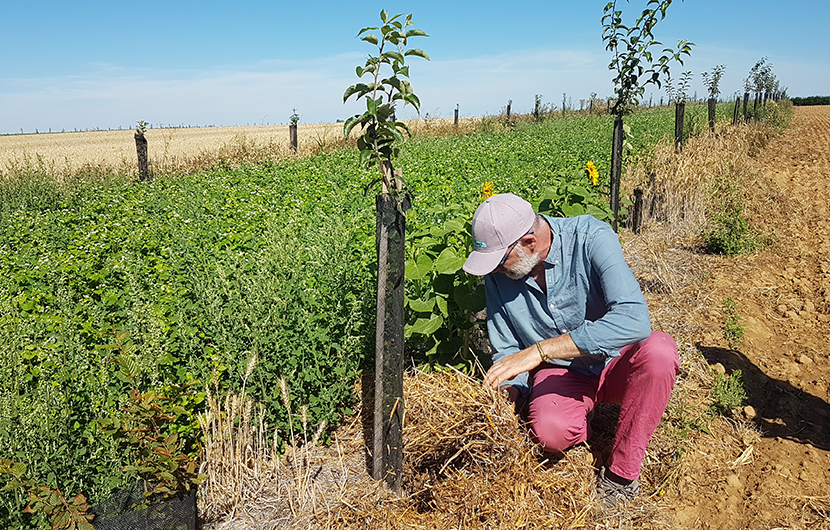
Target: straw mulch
469, 464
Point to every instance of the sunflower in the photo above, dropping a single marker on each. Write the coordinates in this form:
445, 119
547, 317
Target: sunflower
592, 172
488, 190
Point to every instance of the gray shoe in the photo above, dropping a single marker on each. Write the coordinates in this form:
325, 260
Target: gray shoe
610, 494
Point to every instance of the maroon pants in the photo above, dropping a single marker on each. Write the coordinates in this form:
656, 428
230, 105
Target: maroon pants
640, 380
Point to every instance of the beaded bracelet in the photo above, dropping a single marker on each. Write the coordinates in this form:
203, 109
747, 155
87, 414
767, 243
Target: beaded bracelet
541, 353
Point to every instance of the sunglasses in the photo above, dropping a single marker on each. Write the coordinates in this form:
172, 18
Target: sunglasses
511, 250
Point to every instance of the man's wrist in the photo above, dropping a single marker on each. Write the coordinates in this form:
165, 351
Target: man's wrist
542, 355
559, 347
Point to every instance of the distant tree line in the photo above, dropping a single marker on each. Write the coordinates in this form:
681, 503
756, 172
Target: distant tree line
811, 100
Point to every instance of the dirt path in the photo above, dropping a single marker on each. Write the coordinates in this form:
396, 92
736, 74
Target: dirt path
783, 296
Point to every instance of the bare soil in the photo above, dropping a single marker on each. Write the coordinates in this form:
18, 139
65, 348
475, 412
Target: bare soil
783, 297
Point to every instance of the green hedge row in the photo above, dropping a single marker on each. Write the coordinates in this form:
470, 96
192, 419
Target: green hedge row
811, 100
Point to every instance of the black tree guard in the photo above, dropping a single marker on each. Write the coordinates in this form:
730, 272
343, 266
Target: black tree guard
387, 456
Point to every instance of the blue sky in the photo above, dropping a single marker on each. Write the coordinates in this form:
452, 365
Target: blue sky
105, 64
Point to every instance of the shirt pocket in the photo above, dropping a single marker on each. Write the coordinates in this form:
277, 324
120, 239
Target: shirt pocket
571, 300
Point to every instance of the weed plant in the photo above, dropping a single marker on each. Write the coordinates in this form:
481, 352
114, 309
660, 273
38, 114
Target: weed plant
776, 114
729, 233
733, 330
728, 392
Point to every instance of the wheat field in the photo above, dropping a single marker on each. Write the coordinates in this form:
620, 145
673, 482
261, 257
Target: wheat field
180, 149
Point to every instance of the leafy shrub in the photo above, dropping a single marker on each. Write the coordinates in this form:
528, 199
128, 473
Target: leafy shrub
728, 392
47, 505
165, 455
729, 233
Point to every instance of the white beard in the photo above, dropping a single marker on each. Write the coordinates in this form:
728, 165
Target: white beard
525, 264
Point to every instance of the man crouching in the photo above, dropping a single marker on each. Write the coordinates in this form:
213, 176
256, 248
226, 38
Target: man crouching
570, 329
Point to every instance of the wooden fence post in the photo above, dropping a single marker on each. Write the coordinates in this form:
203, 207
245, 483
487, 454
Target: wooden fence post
143, 159
679, 115
755, 106
737, 111
387, 453
637, 214
746, 100
509, 103
616, 168
564, 103
292, 136
456, 115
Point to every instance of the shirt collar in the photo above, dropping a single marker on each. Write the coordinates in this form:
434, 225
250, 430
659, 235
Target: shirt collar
555, 242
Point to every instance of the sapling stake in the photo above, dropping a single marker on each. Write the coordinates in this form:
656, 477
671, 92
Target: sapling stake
141, 151
634, 67
378, 144
712, 82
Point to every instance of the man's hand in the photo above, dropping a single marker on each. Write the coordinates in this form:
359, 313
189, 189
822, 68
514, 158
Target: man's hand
561, 347
512, 365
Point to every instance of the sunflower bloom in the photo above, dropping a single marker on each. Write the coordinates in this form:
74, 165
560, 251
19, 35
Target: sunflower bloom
592, 172
488, 190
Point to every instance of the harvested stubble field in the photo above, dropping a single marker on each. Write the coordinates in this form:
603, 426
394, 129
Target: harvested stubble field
172, 150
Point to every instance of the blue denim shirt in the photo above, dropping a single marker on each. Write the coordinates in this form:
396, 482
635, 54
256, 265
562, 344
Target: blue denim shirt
591, 294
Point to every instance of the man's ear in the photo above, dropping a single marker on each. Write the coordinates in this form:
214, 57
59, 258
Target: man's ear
530, 242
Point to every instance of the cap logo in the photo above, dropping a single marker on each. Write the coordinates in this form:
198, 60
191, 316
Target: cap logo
479, 244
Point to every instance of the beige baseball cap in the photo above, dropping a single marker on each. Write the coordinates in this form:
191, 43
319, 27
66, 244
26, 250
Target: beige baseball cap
498, 223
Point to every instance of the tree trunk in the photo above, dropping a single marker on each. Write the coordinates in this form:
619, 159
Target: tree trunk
755, 107
616, 168
637, 215
387, 453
